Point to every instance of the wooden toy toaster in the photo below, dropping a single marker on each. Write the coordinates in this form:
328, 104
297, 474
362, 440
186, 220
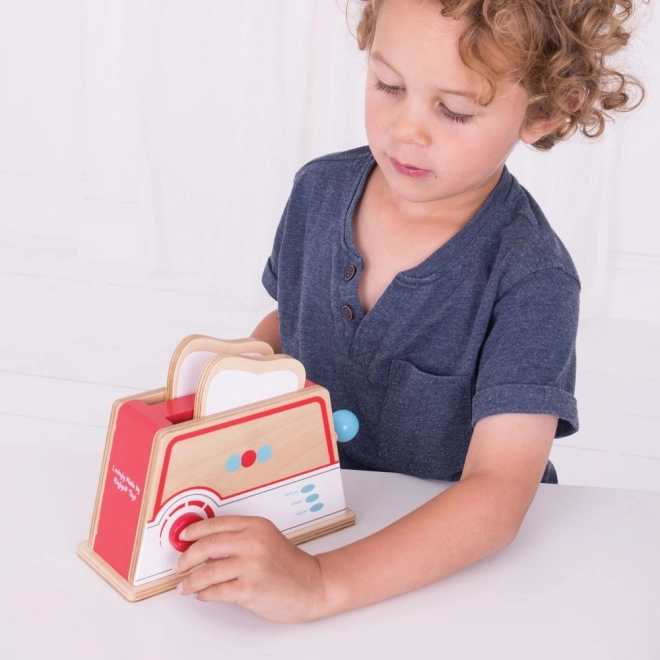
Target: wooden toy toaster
237, 430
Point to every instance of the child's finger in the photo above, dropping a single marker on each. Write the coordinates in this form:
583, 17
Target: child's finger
214, 573
226, 592
203, 528
209, 547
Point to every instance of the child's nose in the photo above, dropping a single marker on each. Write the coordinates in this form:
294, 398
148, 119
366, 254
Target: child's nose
410, 127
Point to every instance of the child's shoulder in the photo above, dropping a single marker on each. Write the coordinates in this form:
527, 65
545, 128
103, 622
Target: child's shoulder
347, 163
528, 243
357, 154
329, 183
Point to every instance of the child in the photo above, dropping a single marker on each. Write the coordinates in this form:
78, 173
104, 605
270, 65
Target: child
422, 285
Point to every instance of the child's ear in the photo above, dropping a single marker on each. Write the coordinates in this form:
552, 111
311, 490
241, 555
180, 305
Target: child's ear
534, 129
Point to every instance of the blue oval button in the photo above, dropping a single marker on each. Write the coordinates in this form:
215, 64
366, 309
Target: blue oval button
307, 488
316, 507
312, 498
264, 453
233, 463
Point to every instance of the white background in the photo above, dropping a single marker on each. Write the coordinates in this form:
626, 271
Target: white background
147, 148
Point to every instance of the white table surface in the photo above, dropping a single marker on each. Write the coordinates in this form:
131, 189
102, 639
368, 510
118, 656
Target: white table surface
582, 580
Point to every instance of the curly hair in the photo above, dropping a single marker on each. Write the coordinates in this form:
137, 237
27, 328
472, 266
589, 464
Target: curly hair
556, 49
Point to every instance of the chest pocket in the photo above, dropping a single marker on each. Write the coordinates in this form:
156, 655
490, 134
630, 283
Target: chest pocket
425, 423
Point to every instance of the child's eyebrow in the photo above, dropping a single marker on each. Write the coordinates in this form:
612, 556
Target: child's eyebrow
458, 92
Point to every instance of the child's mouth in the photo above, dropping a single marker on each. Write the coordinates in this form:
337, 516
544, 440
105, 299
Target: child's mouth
409, 170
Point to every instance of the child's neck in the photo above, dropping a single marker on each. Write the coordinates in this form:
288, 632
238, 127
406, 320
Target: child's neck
394, 235
452, 212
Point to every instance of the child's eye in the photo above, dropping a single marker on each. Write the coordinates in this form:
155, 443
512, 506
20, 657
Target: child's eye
388, 89
455, 116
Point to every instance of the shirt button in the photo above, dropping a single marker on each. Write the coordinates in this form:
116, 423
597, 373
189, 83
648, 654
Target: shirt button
349, 273
347, 312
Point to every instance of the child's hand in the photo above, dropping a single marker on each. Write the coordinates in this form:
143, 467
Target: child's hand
248, 561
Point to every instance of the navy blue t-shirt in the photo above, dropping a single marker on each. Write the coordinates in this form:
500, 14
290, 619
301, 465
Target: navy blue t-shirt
485, 325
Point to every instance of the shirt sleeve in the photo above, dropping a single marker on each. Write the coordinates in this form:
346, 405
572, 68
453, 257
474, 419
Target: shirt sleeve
269, 276
527, 363
286, 228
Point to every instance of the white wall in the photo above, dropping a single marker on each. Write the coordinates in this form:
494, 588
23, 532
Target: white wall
167, 133
41, 114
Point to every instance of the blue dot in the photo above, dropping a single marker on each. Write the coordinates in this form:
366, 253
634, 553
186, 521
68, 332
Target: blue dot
316, 507
307, 488
264, 453
312, 498
233, 463
346, 424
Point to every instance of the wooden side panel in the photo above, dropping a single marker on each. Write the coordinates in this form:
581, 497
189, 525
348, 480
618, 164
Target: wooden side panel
243, 454
123, 486
150, 397
191, 469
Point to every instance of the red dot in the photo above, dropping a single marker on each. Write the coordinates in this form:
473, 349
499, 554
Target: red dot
249, 458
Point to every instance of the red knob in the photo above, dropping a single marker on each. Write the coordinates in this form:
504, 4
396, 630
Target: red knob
178, 526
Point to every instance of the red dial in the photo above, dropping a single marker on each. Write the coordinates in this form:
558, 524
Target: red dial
178, 526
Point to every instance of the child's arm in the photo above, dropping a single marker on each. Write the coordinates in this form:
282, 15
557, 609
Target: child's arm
268, 330
249, 562
476, 517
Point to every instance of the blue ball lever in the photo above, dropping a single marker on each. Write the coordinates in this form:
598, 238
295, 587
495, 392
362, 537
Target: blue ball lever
346, 424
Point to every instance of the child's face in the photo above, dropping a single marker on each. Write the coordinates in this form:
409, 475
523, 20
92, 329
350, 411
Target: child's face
419, 112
